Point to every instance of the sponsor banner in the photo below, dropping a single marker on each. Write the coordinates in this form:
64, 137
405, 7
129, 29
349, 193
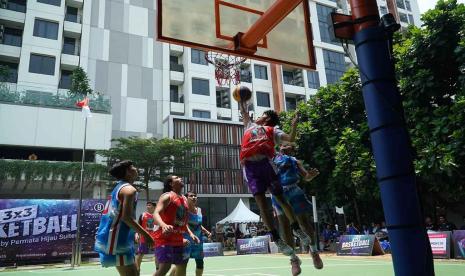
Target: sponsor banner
458, 237
358, 245
257, 245
440, 242
213, 249
43, 230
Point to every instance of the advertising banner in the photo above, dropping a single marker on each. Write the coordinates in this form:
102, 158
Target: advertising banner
358, 245
43, 230
440, 242
213, 249
257, 245
458, 238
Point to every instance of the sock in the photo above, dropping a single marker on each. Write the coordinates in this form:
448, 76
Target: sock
295, 226
275, 235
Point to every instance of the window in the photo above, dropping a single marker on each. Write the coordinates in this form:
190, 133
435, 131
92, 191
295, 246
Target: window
13, 37
222, 98
174, 59
174, 94
293, 77
292, 101
65, 79
324, 22
198, 57
410, 19
12, 72
313, 79
46, 29
260, 72
51, 2
69, 46
246, 75
403, 17
16, 5
400, 4
263, 99
334, 65
200, 87
383, 10
42, 64
71, 14
407, 5
201, 114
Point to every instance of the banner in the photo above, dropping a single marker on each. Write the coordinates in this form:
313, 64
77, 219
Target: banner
43, 230
440, 242
459, 243
359, 245
257, 245
213, 249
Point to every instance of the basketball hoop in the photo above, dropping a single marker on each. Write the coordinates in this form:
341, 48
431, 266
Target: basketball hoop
227, 67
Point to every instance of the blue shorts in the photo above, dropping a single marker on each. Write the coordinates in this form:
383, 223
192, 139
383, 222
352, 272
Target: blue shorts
116, 260
194, 251
296, 197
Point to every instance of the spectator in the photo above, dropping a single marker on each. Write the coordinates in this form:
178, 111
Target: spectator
328, 236
430, 226
375, 227
444, 225
351, 229
463, 225
238, 234
365, 230
219, 233
253, 230
383, 227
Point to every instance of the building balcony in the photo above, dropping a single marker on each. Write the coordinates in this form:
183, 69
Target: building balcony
176, 49
10, 51
176, 67
176, 77
69, 62
72, 29
224, 112
15, 16
177, 107
75, 3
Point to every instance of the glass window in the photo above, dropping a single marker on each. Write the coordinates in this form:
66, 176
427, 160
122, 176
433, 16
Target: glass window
65, 79
383, 10
335, 65
51, 2
260, 72
410, 19
42, 64
403, 17
288, 77
13, 37
69, 46
324, 22
222, 98
16, 5
263, 99
201, 114
175, 97
198, 57
174, 59
200, 87
407, 5
12, 72
400, 4
313, 79
46, 29
292, 101
71, 14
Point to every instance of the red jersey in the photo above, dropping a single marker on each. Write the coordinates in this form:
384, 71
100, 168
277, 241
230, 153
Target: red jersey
147, 222
258, 139
176, 215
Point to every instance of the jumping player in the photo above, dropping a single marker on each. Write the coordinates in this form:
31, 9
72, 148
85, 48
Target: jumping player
289, 172
148, 223
115, 236
171, 216
257, 151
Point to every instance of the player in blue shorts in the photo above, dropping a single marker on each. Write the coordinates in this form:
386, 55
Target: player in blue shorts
115, 235
289, 171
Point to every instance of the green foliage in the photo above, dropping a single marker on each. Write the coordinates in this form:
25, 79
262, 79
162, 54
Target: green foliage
80, 83
156, 157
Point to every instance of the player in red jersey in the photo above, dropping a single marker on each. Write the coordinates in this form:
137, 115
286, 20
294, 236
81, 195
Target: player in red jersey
147, 221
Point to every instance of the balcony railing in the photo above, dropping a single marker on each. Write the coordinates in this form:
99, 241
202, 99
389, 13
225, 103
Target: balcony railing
14, 5
63, 100
176, 67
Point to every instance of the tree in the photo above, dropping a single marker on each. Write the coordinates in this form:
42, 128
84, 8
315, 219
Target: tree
80, 83
156, 158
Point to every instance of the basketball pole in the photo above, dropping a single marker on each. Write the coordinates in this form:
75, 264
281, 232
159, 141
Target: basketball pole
392, 150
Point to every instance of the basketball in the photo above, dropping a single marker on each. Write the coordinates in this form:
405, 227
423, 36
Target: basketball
242, 93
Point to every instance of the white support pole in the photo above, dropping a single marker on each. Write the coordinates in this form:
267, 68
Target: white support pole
315, 222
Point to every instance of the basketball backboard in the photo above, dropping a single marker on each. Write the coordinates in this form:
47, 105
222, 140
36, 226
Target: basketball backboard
212, 25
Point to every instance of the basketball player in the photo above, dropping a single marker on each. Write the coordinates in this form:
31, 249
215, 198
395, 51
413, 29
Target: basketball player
171, 216
115, 236
147, 221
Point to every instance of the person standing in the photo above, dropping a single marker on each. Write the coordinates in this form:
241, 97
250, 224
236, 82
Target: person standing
115, 235
148, 223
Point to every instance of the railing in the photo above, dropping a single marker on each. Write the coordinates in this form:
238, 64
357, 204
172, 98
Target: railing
14, 5
63, 100
176, 67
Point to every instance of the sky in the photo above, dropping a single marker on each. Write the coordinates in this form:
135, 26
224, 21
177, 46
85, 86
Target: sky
429, 4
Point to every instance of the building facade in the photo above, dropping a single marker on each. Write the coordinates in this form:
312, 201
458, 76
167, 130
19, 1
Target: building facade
147, 88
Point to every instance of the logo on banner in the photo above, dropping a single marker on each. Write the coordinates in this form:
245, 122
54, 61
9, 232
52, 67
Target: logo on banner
359, 245
255, 245
459, 243
440, 244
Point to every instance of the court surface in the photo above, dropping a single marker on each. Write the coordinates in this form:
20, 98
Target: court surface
262, 265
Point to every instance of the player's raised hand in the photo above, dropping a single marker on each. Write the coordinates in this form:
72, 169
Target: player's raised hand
166, 229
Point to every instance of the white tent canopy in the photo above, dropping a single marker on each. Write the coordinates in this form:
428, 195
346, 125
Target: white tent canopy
240, 214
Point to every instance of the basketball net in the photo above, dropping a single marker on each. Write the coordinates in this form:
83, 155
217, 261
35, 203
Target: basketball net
227, 67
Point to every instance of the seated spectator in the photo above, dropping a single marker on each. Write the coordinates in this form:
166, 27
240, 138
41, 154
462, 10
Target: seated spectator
253, 230
328, 236
351, 229
365, 230
430, 226
375, 227
444, 225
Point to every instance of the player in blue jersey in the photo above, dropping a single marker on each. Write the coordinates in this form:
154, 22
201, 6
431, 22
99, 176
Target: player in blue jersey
115, 236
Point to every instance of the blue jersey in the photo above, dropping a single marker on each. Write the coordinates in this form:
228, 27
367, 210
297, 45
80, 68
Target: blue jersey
114, 237
288, 171
195, 225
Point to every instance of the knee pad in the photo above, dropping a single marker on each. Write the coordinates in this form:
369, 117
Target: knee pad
199, 263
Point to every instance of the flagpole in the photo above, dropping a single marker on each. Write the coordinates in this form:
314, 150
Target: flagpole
76, 258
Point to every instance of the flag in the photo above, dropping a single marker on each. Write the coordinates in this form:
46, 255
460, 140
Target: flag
84, 104
340, 210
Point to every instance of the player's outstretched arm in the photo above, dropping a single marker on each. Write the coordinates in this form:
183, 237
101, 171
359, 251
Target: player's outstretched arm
291, 136
307, 175
206, 232
128, 194
244, 113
